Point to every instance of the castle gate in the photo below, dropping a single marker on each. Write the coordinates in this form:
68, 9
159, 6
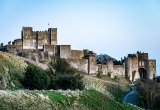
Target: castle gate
142, 73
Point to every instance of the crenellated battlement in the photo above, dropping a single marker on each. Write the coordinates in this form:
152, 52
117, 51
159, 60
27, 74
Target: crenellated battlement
40, 31
51, 29
26, 28
34, 32
36, 39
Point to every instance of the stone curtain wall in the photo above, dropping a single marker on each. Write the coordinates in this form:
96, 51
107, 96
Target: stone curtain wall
65, 51
77, 54
17, 42
80, 64
119, 70
50, 49
112, 70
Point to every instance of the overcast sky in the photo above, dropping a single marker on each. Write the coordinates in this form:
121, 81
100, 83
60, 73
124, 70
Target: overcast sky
113, 27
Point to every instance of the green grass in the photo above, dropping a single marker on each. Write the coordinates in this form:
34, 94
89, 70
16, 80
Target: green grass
117, 91
56, 97
98, 101
62, 101
12, 69
88, 99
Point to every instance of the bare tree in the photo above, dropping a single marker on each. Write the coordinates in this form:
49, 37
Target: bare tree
148, 90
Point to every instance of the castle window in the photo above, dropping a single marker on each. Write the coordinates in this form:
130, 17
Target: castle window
139, 63
142, 63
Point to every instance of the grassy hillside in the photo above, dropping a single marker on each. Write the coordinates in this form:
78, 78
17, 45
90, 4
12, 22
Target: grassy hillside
99, 94
59, 100
11, 70
110, 88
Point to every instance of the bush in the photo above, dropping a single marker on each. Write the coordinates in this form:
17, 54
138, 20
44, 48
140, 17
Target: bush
60, 66
35, 78
52, 84
63, 76
69, 82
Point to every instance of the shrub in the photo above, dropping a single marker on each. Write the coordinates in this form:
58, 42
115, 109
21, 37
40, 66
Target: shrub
35, 78
60, 66
64, 76
69, 82
52, 84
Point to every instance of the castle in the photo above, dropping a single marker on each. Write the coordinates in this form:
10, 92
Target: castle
41, 46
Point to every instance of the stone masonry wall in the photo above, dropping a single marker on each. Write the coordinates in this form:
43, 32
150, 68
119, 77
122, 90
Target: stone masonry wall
40, 40
77, 54
50, 49
29, 41
92, 66
152, 68
36, 39
17, 42
80, 64
105, 69
53, 34
65, 51
134, 73
119, 70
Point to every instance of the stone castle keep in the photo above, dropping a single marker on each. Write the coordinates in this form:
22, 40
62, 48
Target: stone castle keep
41, 46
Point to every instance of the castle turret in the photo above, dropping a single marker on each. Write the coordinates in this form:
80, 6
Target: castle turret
151, 69
28, 40
53, 34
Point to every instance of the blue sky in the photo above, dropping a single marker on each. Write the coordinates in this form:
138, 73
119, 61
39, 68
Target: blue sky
114, 27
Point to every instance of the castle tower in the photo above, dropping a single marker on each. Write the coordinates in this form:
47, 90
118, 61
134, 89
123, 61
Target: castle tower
140, 66
110, 68
53, 36
151, 69
29, 39
91, 64
40, 39
132, 67
143, 64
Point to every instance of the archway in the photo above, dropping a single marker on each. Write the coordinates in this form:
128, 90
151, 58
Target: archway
142, 73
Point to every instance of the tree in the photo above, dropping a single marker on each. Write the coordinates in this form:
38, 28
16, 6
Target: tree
148, 90
65, 76
35, 78
60, 66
